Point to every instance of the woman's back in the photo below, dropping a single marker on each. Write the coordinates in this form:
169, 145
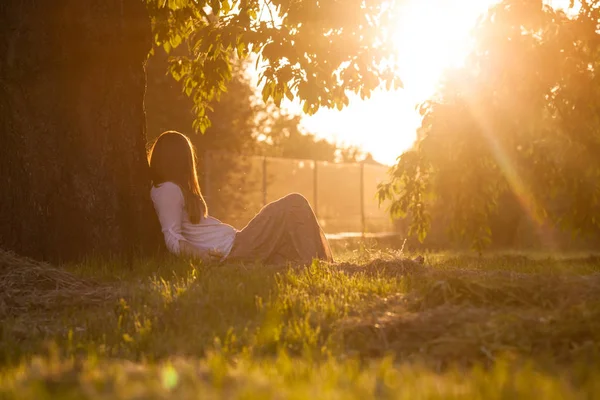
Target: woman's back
208, 234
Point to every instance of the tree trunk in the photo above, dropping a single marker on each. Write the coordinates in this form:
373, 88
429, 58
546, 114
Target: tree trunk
73, 167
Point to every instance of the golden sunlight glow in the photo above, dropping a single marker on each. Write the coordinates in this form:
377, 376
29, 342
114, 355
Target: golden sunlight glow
431, 36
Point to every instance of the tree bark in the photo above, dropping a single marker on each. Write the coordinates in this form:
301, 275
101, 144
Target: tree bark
73, 167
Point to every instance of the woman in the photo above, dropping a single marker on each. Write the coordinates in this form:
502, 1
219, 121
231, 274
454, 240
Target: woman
283, 231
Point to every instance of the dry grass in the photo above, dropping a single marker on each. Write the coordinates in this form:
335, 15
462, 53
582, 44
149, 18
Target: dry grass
457, 316
451, 312
27, 286
383, 267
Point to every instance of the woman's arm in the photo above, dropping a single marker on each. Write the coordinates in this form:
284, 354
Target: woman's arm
168, 203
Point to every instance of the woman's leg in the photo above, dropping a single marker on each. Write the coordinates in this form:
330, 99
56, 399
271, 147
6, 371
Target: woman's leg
284, 230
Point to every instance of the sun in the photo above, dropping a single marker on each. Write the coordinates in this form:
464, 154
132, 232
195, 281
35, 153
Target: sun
434, 35
430, 37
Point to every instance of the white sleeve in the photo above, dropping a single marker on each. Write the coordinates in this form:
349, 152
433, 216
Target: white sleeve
168, 203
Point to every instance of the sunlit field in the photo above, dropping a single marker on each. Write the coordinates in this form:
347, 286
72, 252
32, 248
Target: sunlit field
370, 326
461, 203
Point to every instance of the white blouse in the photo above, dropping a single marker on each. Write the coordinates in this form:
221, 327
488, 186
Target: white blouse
208, 234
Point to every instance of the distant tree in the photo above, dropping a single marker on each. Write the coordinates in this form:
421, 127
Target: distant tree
167, 106
281, 135
225, 147
521, 117
354, 154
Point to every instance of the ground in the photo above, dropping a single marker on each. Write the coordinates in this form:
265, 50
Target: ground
370, 326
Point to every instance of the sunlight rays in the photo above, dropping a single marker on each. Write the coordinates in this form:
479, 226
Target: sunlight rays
431, 37
515, 181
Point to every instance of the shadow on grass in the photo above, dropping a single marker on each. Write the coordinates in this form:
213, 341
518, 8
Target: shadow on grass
161, 308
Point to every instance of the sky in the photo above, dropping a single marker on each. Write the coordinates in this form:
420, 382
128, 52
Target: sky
433, 35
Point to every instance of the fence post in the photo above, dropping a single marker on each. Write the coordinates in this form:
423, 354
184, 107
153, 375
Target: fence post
264, 188
362, 198
315, 187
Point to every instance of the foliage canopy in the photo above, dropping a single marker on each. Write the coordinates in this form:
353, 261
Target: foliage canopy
521, 116
307, 50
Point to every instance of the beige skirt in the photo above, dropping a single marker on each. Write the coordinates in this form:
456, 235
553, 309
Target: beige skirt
283, 231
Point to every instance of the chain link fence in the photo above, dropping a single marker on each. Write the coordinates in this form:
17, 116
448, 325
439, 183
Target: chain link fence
343, 196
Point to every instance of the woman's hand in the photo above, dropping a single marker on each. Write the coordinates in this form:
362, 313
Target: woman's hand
212, 255
215, 254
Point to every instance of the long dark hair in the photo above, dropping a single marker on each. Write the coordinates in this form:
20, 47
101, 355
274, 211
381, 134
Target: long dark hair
172, 158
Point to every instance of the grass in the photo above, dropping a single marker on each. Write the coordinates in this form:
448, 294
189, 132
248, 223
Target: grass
371, 326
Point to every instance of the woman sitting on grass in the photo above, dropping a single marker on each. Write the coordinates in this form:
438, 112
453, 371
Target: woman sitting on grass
283, 231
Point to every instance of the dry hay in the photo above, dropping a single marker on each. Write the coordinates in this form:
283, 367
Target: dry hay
27, 285
502, 289
461, 316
